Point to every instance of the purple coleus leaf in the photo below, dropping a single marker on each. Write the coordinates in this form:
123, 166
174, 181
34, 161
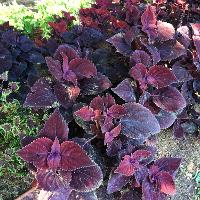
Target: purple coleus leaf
109, 136
196, 37
139, 56
54, 127
119, 42
5, 59
36, 152
130, 164
117, 182
73, 157
125, 91
166, 31
72, 71
184, 36
139, 122
149, 22
86, 179
157, 76
169, 99
82, 196
101, 110
53, 180
41, 95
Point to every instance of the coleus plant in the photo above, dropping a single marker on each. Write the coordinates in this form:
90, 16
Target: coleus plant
61, 166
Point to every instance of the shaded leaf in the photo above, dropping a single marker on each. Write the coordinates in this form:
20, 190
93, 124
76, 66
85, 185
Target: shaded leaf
139, 56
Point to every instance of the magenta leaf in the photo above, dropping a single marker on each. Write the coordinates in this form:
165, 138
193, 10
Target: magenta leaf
160, 76
139, 73
53, 159
165, 119
36, 152
166, 183
86, 179
109, 136
54, 127
41, 95
53, 180
108, 100
116, 111
83, 68
66, 50
116, 183
168, 164
184, 36
166, 31
139, 122
120, 44
149, 22
97, 103
140, 56
73, 156
196, 37
55, 68
95, 85
82, 196
85, 113
125, 91
169, 99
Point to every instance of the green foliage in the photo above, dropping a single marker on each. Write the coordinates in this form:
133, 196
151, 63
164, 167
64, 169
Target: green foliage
15, 120
31, 19
197, 180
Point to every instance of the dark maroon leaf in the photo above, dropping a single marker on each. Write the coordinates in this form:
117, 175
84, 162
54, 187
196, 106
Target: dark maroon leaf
178, 130
160, 76
36, 152
54, 127
52, 181
125, 91
116, 183
166, 183
95, 85
73, 156
83, 68
166, 31
140, 56
108, 100
82, 196
66, 50
139, 122
169, 99
97, 103
86, 179
116, 111
130, 195
165, 119
120, 44
171, 50
41, 95
168, 164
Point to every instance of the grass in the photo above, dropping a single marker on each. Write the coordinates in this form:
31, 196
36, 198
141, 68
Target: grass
36, 17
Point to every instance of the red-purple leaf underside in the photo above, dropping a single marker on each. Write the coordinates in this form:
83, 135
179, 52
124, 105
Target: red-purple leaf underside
116, 182
54, 127
73, 156
139, 122
120, 44
86, 179
36, 152
41, 95
125, 91
169, 99
85, 113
